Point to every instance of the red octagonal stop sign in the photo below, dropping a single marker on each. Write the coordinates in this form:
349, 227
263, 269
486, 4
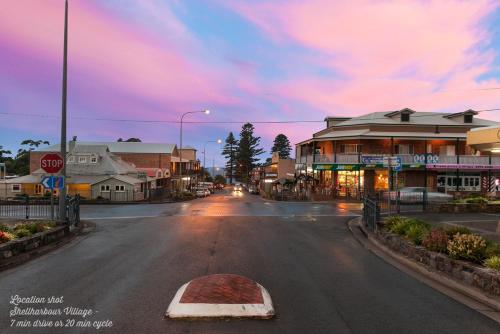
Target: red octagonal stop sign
52, 163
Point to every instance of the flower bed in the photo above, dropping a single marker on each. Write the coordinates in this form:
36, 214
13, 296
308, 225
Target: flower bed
455, 251
27, 236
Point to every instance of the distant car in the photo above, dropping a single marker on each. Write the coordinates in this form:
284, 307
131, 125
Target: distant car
207, 192
238, 187
254, 190
201, 193
415, 195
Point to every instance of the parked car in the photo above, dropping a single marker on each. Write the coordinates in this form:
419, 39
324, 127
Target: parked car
415, 195
201, 193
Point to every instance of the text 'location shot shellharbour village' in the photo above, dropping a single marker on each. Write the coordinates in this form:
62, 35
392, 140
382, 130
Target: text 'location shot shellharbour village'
250, 166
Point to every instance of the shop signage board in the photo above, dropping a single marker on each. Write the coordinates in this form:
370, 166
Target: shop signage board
372, 160
394, 162
338, 167
431, 158
463, 166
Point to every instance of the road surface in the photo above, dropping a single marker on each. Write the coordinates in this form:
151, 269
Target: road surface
320, 279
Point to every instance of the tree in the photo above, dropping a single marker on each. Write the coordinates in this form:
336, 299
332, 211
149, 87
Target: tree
248, 151
220, 179
230, 152
2, 152
21, 164
282, 146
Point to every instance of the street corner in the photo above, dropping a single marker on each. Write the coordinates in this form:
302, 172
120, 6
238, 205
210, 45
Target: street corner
221, 296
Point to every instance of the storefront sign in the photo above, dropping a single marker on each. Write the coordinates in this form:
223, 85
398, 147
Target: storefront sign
431, 158
463, 166
372, 160
271, 174
337, 167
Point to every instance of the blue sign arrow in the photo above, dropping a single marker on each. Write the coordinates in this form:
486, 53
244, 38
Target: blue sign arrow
47, 182
52, 182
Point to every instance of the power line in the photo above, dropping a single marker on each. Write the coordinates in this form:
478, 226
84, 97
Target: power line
207, 122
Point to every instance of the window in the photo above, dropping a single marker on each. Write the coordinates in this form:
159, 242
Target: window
404, 148
405, 117
104, 187
71, 159
120, 188
468, 118
447, 150
350, 148
82, 160
16, 188
93, 160
38, 189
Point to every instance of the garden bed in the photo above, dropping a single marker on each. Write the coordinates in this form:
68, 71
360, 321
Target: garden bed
25, 237
455, 251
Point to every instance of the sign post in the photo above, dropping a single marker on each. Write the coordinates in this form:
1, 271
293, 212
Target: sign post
51, 163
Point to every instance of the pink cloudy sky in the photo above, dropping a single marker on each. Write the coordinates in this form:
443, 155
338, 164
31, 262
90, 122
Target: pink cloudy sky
244, 60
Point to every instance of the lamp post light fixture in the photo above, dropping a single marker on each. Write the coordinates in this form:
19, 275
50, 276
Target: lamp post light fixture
206, 112
218, 141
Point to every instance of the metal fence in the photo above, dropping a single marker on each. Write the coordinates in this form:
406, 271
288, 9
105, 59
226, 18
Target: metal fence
36, 208
371, 213
392, 202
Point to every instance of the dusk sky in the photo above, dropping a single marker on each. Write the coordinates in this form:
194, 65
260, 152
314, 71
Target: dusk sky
243, 60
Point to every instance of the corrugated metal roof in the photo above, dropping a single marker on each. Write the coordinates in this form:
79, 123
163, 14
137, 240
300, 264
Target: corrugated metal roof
121, 147
417, 118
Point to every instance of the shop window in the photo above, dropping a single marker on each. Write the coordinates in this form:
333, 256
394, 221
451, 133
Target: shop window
38, 189
16, 188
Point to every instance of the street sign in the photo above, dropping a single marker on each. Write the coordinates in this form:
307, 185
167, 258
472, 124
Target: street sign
392, 161
52, 163
52, 182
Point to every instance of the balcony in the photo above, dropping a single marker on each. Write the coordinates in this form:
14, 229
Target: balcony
409, 159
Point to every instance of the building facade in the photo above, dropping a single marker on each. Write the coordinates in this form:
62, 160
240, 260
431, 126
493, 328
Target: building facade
389, 150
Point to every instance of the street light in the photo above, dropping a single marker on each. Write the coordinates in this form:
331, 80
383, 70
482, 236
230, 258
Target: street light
218, 141
206, 112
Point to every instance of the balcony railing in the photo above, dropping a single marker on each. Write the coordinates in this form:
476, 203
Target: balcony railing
407, 159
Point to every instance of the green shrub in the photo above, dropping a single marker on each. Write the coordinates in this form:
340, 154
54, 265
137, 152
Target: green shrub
467, 247
22, 232
493, 262
477, 200
416, 233
5, 236
389, 221
451, 231
4, 228
399, 227
436, 241
416, 221
492, 249
34, 227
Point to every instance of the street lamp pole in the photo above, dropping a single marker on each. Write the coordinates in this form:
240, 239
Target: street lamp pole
218, 141
62, 193
180, 147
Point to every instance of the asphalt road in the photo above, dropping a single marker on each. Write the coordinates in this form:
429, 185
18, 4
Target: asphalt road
320, 279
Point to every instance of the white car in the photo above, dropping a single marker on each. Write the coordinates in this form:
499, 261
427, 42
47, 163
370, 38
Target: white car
415, 195
238, 187
202, 193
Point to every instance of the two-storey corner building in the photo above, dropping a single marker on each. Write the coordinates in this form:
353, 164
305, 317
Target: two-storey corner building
351, 156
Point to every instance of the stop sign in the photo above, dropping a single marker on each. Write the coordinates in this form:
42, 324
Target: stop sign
51, 163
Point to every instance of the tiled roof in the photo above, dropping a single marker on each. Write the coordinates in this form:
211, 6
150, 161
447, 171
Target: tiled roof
121, 147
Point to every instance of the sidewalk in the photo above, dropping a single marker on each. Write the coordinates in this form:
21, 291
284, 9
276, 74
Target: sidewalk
486, 224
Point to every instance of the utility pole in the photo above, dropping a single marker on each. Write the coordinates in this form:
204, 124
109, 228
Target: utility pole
62, 193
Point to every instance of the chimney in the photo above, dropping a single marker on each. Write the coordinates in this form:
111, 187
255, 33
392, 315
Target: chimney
72, 144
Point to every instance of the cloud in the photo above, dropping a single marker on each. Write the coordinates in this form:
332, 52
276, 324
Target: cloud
385, 54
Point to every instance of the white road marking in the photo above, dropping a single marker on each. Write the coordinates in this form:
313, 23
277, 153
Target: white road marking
199, 310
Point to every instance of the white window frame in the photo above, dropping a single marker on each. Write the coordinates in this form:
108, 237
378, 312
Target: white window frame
406, 149
93, 160
71, 159
105, 188
120, 188
82, 160
16, 185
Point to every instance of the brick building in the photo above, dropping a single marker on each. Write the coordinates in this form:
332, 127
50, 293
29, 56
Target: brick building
350, 156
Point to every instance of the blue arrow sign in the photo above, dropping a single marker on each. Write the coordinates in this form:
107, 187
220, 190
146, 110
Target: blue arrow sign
52, 182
